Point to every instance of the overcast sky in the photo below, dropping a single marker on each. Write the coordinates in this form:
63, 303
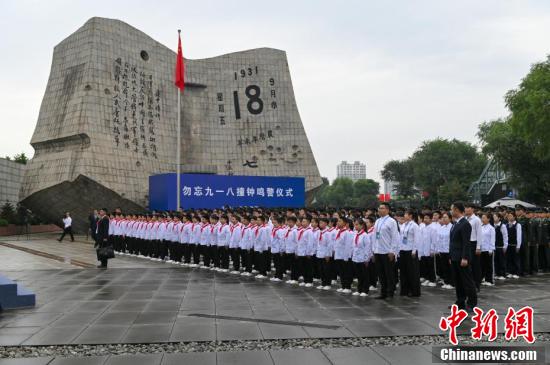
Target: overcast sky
372, 79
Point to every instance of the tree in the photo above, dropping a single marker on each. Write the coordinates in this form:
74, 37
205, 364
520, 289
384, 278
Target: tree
448, 165
529, 173
21, 158
365, 193
401, 173
8, 212
529, 107
343, 192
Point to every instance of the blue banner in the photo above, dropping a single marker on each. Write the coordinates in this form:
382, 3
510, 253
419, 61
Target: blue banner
217, 191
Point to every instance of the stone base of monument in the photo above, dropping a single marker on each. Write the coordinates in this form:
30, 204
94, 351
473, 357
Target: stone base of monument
13, 295
78, 197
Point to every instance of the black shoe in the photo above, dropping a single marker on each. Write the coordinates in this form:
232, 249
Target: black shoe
58, 240
101, 267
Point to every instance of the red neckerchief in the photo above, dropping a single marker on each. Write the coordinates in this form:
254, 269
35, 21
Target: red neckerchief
288, 232
357, 235
204, 226
221, 227
302, 232
275, 229
257, 231
232, 227
340, 232
321, 233
245, 228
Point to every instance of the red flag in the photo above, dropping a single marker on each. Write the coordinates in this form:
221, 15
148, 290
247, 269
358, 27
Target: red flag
180, 67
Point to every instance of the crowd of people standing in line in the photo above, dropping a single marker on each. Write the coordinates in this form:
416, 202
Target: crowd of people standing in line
461, 248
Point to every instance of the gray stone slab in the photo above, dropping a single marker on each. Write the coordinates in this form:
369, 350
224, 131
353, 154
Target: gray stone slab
154, 359
204, 358
244, 358
27, 361
354, 356
88, 360
404, 354
299, 356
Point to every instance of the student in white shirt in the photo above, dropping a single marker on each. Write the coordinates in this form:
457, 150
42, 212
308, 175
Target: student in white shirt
443, 243
224, 235
290, 249
278, 233
408, 256
235, 231
194, 240
213, 241
361, 256
501, 244
426, 250
343, 249
475, 242
303, 242
204, 241
324, 253
488, 239
262, 235
246, 244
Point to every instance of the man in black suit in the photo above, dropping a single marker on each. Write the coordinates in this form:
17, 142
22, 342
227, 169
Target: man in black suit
92, 218
102, 236
461, 257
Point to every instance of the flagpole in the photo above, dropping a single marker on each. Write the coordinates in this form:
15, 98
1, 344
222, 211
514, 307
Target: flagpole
178, 178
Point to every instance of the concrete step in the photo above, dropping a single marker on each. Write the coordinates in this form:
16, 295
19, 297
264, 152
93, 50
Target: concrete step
13, 295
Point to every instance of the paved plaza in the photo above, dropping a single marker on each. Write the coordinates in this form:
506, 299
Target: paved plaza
137, 301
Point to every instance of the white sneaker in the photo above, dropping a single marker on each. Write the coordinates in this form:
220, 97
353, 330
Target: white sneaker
372, 288
308, 285
235, 272
509, 276
259, 276
224, 270
363, 294
424, 283
255, 271
432, 284
288, 281
276, 280
515, 276
326, 287
333, 282
302, 284
489, 284
319, 287
355, 293
339, 290
346, 291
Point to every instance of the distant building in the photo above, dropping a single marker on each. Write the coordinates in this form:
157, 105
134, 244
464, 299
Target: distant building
354, 171
389, 187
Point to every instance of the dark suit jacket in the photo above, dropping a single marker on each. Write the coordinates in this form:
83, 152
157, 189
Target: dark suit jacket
102, 236
460, 241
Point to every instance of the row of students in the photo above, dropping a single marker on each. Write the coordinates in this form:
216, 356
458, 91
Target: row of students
307, 248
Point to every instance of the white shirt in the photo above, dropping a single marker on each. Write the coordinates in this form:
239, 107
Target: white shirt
475, 222
488, 236
386, 236
67, 221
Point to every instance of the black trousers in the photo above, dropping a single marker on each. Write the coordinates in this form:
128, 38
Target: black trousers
385, 270
294, 267
163, 249
464, 285
246, 259
500, 262
345, 271
236, 258
215, 255
428, 268
278, 260
409, 274
444, 268
487, 266
68, 230
223, 252
373, 273
475, 264
362, 274
306, 263
196, 253
326, 269
206, 255
260, 262
512, 260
